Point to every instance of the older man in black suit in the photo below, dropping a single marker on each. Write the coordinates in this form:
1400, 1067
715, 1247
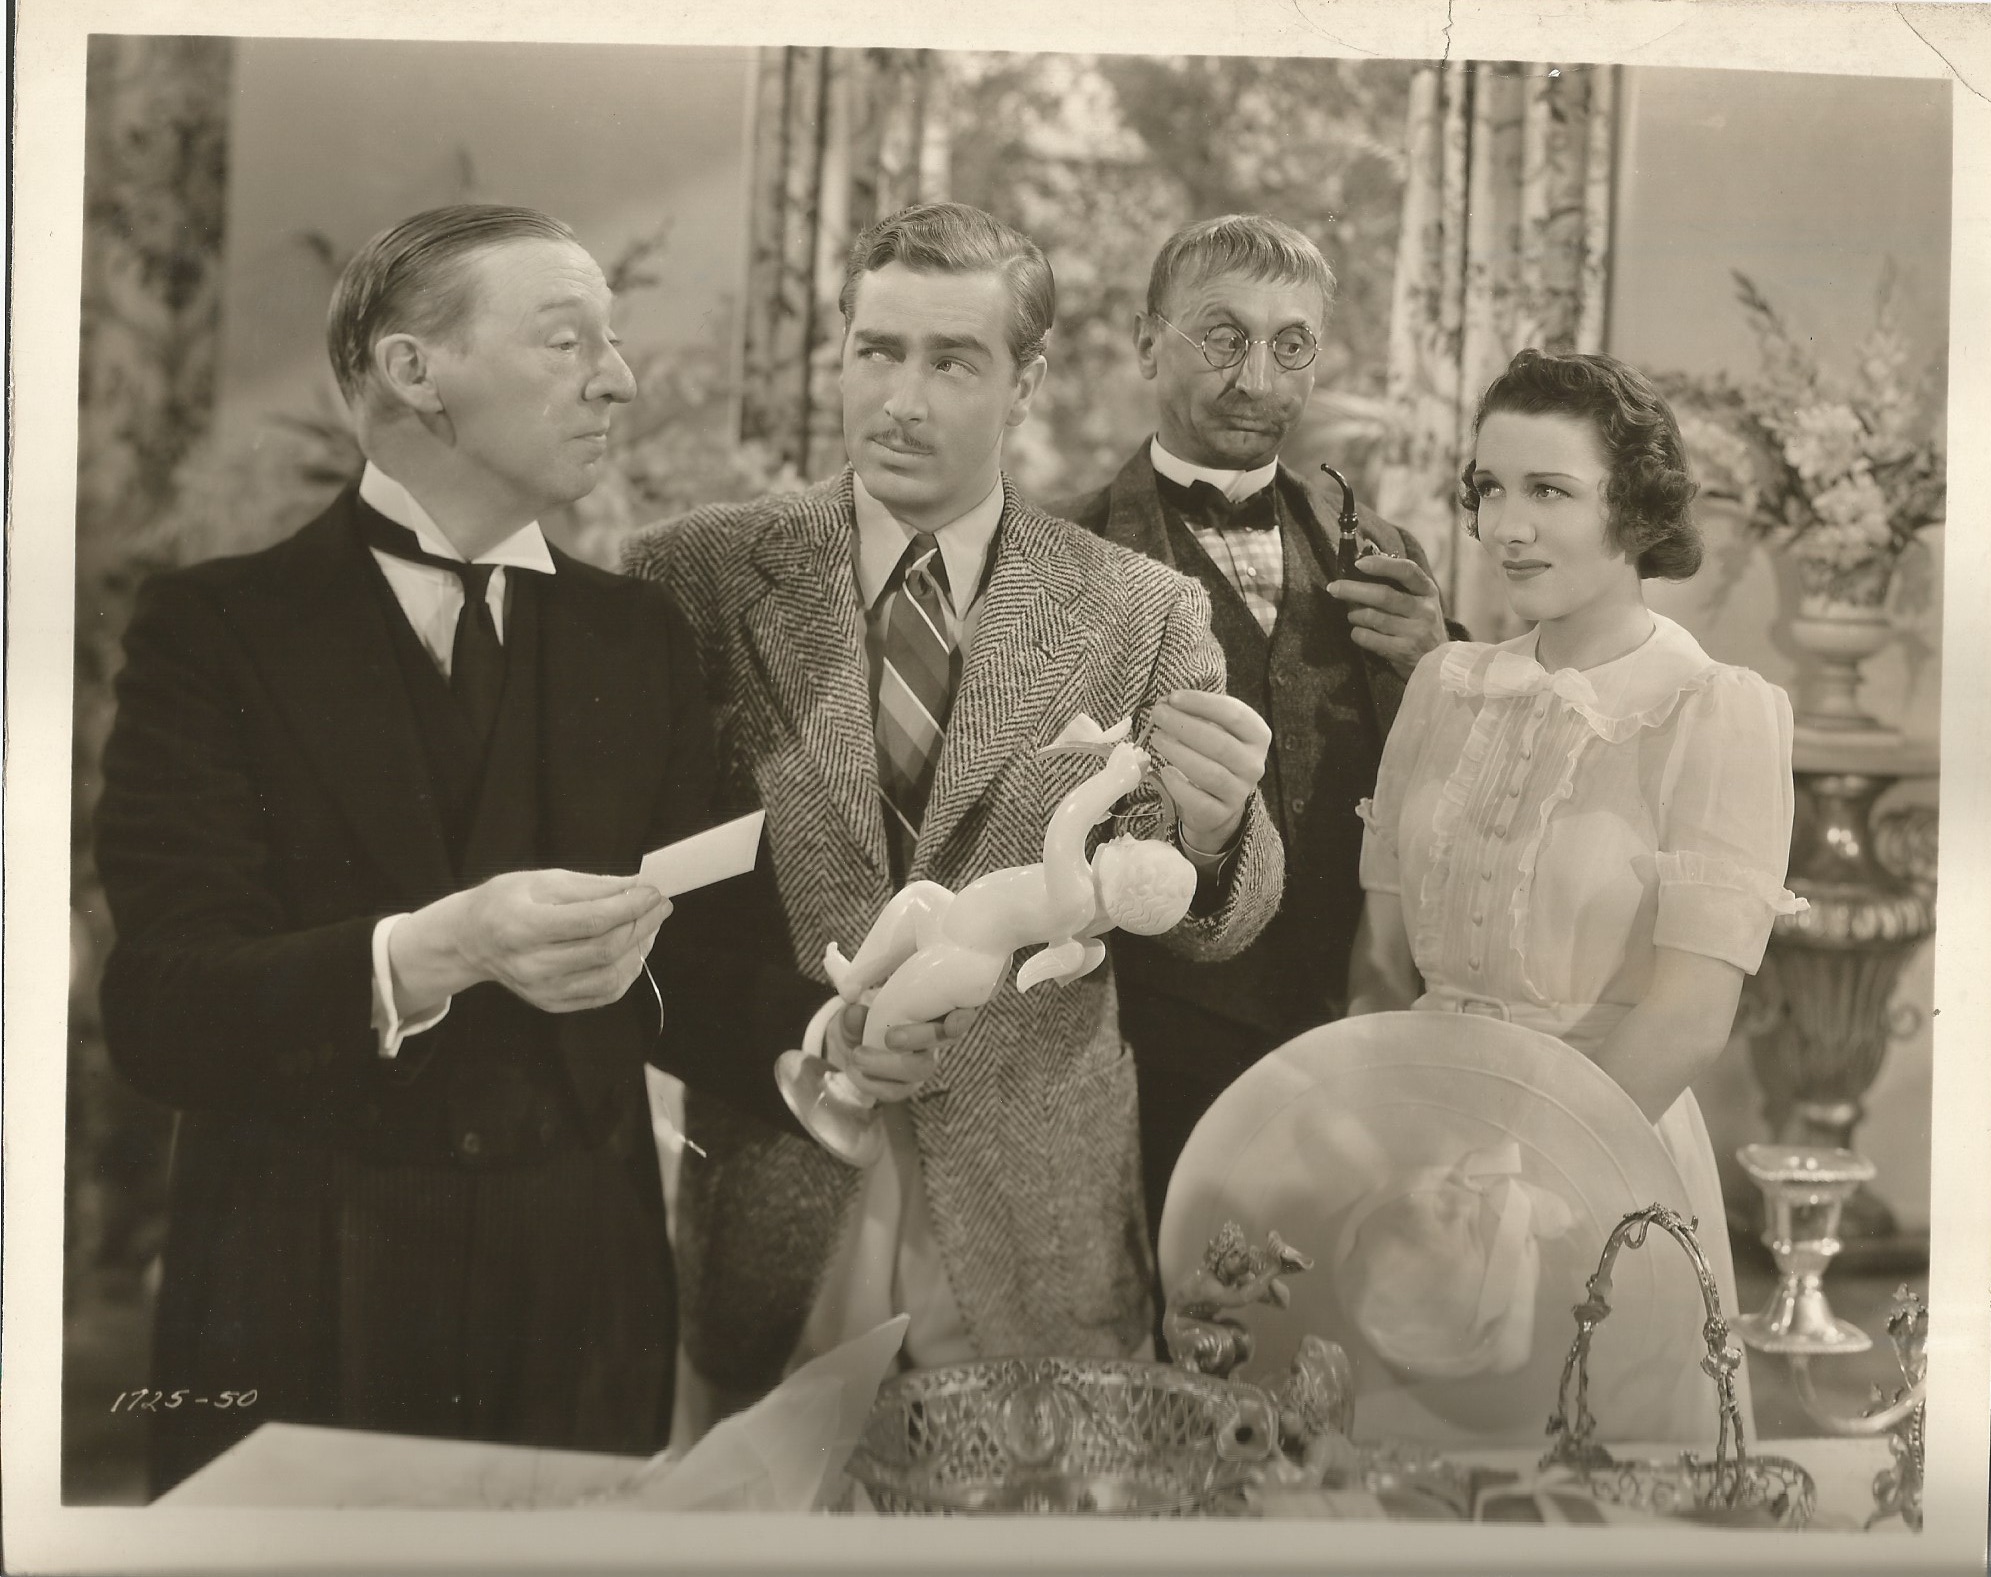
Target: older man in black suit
371, 812
1235, 310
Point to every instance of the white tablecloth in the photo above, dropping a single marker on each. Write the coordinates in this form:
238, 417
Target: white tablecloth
291, 1465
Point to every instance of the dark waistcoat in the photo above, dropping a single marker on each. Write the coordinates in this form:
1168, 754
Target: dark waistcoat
488, 1083
1308, 680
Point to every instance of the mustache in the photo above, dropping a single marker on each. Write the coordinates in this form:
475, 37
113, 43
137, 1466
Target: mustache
1230, 404
899, 439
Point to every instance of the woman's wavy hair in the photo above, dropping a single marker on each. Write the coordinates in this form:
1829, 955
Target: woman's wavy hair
1649, 496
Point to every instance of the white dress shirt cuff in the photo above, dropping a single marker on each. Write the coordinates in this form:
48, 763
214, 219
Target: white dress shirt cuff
388, 1023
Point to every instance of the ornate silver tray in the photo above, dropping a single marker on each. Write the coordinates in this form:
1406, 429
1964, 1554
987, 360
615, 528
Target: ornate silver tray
1056, 1435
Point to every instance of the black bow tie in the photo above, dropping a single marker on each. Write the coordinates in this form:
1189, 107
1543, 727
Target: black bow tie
1201, 504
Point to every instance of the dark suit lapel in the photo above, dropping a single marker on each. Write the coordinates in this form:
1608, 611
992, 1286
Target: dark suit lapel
594, 716
323, 647
1027, 643
806, 635
1308, 511
1134, 516
1235, 626
1139, 520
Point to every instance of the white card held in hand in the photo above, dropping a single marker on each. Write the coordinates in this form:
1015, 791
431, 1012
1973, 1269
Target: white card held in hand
705, 857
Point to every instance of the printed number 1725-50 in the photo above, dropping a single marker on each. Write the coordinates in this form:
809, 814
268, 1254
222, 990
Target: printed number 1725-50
144, 1401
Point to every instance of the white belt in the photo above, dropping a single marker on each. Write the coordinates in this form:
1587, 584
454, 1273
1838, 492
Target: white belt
1463, 1002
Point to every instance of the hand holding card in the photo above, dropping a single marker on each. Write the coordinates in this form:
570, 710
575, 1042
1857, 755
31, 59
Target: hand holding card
705, 857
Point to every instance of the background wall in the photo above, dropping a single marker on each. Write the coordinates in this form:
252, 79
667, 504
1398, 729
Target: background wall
332, 140
1814, 187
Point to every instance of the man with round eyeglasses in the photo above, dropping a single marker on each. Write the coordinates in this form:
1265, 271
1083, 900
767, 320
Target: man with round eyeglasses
1236, 307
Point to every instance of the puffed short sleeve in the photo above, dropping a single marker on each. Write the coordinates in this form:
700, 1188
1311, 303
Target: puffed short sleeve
1382, 814
1725, 818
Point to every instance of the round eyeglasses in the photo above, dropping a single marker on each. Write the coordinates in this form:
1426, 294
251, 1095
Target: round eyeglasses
1225, 347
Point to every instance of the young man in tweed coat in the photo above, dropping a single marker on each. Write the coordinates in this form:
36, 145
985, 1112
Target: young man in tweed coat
1235, 309
1006, 1216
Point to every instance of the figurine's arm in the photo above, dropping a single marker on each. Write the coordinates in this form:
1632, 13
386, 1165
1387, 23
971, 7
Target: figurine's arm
1073, 905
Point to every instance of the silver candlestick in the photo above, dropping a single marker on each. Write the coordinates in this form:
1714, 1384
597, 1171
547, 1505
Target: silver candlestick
1804, 1190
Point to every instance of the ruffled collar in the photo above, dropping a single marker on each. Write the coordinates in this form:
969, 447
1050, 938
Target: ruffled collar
1617, 698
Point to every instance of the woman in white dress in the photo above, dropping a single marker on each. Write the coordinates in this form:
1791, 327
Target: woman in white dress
1584, 830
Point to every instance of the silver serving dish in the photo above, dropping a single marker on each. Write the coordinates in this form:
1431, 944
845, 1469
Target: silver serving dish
1055, 1435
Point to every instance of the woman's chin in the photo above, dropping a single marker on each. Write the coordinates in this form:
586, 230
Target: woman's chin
1534, 603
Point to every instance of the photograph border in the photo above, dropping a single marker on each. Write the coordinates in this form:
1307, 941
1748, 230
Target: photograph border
1927, 41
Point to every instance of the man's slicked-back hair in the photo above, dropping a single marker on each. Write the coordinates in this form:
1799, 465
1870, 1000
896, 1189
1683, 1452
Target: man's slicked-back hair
1248, 244
952, 238
411, 279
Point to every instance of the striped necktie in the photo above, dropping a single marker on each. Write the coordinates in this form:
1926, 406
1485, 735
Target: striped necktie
916, 684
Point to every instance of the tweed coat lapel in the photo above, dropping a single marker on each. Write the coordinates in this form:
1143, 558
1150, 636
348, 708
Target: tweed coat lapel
806, 632
1027, 645
322, 643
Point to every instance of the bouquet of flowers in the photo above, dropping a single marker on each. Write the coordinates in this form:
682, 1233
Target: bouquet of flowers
1841, 471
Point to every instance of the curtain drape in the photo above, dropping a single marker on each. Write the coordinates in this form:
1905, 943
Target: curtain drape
1505, 243
155, 196
842, 137
155, 172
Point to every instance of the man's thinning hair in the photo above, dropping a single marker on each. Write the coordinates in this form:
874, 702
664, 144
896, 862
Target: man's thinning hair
952, 238
412, 279
1247, 244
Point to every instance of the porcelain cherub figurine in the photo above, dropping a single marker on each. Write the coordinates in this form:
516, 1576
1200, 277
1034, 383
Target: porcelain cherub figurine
931, 951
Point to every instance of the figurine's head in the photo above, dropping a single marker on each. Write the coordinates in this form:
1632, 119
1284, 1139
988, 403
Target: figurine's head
1143, 886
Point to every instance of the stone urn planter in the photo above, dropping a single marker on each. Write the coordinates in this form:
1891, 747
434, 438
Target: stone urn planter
1841, 621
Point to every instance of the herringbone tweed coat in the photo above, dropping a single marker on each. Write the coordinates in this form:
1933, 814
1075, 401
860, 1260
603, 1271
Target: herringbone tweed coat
1027, 1129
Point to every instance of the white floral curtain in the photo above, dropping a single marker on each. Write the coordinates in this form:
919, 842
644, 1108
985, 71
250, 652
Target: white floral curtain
155, 195
155, 181
1505, 243
842, 137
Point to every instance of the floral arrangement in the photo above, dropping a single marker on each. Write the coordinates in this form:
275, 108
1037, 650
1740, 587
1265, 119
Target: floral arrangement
1841, 471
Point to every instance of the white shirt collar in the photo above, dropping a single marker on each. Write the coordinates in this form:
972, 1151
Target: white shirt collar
964, 544
525, 548
1234, 485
